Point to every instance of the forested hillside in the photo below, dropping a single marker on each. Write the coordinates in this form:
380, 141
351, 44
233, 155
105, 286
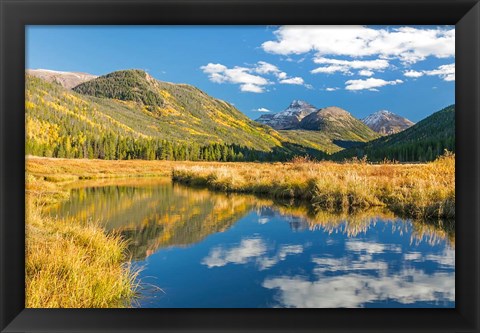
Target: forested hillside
179, 123
424, 141
130, 115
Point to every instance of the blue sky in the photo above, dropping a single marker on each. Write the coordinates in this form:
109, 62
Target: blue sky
408, 70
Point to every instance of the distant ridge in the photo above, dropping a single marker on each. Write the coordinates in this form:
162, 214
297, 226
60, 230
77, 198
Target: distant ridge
386, 122
65, 79
328, 129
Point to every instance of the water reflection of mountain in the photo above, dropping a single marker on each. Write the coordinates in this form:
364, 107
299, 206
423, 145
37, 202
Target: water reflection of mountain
153, 214
156, 216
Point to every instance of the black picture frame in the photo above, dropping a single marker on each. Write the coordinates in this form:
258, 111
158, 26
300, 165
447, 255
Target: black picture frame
16, 14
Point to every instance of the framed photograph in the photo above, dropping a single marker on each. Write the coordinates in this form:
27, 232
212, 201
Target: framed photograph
240, 166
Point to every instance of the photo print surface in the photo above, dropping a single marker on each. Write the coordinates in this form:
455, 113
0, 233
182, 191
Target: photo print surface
240, 166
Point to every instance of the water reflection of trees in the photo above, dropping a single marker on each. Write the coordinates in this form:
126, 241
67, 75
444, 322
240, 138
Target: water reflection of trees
302, 216
156, 215
153, 214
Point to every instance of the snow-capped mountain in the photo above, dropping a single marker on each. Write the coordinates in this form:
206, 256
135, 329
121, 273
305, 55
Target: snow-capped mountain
290, 117
66, 79
386, 122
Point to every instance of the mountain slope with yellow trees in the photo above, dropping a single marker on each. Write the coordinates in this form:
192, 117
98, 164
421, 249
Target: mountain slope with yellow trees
128, 114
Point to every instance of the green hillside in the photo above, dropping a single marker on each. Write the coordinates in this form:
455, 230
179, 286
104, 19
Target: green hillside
316, 140
179, 122
180, 112
423, 141
128, 85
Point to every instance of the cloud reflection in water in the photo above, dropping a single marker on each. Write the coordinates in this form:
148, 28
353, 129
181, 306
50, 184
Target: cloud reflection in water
355, 280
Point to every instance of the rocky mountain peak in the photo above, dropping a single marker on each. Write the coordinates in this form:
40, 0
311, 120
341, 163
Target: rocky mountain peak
290, 117
386, 122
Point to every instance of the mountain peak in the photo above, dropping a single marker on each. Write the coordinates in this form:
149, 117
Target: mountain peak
334, 111
127, 85
297, 103
339, 124
386, 122
290, 117
383, 112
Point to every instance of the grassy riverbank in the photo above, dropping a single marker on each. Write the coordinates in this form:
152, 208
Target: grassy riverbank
77, 264
411, 190
72, 264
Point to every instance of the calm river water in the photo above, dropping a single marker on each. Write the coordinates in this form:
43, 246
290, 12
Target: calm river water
197, 249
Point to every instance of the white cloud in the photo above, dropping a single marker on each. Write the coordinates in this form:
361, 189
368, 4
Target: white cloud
370, 83
353, 290
262, 110
247, 77
283, 252
370, 247
412, 73
328, 69
247, 249
412, 256
250, 87
293, 80
405, 43
445, 72
263, 220
334, 265
444, 259
213, 68
332, 88
365, 72
345, 66
219, 73
263, 67
250, 250
359, 278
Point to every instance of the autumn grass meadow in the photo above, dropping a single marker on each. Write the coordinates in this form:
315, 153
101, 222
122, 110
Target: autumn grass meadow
425, 191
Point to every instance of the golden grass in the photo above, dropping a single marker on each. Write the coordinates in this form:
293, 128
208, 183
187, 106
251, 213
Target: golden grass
64, 169
412, 190
72, 264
